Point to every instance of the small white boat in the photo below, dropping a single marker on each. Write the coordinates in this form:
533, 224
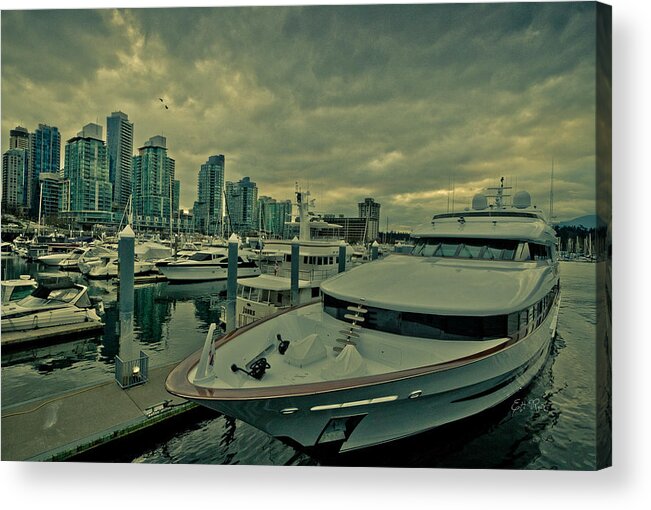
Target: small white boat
71, 262
53, 259
206, 265
57, 301
398, 346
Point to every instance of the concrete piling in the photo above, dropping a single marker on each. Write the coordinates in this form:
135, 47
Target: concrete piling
126, 255
294, 271
231, 283
374, 250
342, 256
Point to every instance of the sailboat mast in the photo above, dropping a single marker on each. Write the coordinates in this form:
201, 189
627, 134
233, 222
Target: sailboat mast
551, 194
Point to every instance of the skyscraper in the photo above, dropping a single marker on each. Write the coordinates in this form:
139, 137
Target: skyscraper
86, 170
153, 184
19, 138
15, 176
45, 156
119, 143
14, 166
370, 210
210, 189
272, 216
241, 203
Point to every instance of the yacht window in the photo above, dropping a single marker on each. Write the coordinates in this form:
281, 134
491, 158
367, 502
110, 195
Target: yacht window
288, 257
539, 251
255, 294
20, 292
498, 249
200, 256
446, 327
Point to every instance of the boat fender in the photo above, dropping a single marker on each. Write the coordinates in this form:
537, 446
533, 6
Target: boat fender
283, 345
257, 371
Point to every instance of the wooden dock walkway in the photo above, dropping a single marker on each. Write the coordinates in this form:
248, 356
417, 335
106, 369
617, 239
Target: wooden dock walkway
56, 428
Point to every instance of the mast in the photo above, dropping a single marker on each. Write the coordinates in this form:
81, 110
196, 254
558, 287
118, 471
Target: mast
40, 208
551, 194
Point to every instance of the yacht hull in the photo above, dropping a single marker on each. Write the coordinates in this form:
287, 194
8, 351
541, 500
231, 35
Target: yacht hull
403, 407
57, 317
185, 273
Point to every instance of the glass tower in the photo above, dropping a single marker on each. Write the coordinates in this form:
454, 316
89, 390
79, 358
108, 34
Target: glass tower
45, 148
86, 170
153, 185
208, 208
119, 143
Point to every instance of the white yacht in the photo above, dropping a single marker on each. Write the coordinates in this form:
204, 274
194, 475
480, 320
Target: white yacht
399, 346
271, 291
56, 301
206, 265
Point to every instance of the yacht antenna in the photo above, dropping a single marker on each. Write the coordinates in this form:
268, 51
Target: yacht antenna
551, 194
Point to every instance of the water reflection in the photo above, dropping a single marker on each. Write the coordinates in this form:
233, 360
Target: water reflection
170, 322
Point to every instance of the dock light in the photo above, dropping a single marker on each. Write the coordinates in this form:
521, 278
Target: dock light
135, 370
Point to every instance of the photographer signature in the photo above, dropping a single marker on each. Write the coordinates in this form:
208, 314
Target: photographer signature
532, 404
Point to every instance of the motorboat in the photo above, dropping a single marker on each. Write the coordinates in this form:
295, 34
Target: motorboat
102, 262
56, 301
207, 264
398, 346
56, 253
270, 292
16, 289
71, 261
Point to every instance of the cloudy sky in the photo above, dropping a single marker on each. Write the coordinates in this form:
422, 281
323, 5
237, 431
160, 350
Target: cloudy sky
391, 102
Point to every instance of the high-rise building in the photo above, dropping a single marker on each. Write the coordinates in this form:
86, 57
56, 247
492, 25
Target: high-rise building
241, 203
119, 143
19, 138
45, 156
370, 210
210, 190
272, 215
153, 185
86, 170
50, 189
14, 171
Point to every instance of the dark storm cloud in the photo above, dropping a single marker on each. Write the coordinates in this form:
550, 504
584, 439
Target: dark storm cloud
383, 101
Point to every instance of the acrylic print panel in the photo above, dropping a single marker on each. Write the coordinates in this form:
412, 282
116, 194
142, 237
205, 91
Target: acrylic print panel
338, 235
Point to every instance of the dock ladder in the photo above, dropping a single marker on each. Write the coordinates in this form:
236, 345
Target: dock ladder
351, 334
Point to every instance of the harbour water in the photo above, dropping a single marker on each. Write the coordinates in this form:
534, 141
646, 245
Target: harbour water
550, 425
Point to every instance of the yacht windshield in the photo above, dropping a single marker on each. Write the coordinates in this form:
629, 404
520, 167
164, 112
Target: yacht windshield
486, 249
199, 256
45, 297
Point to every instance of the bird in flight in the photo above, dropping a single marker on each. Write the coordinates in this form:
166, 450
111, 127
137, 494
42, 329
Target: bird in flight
164, 104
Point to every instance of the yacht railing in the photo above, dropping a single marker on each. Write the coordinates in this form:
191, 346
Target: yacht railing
303, 274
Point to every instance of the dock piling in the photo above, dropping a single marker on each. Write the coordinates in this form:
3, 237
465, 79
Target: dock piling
342, 257
231, 285
374, 250
294, 271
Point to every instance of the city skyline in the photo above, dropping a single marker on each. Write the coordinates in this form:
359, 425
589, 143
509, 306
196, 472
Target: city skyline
394, 103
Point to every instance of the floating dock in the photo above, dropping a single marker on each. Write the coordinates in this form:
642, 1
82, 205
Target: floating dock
64, 426
42, 335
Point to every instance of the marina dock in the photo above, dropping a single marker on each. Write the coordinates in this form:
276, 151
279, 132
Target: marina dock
14, 339
60, 427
